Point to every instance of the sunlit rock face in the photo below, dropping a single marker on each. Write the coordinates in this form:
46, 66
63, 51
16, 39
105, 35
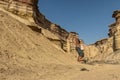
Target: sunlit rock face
29, 11
116, 15
22, 8
114, 30
19, 7
102, 48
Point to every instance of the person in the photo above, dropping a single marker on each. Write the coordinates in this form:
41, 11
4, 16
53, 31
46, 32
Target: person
79, 46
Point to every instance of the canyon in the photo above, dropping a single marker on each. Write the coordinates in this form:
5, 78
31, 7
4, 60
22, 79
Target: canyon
34, 48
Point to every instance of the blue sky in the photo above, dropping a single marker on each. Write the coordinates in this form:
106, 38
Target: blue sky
89, 18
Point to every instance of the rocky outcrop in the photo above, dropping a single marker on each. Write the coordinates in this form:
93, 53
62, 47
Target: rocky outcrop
114, 30
104, 47
71, 42
28, 10
99, 49
116, 36
21, 8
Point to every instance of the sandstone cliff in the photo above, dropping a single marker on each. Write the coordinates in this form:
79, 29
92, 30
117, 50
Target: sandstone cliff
28, 11
107, 49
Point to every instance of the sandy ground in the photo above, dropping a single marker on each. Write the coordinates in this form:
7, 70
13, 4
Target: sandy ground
99, 72
63, 72
83, 72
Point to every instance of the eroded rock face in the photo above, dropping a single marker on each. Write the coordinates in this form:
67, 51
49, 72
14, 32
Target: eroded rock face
104, 47
114, 30
71, 43
18, 7
28, 10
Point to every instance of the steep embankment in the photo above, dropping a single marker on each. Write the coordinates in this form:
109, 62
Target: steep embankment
23, 52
